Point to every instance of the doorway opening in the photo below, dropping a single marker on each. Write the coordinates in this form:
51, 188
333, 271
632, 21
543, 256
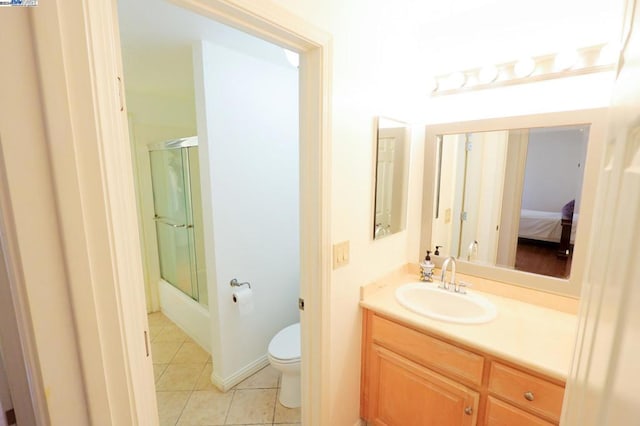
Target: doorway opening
227, 206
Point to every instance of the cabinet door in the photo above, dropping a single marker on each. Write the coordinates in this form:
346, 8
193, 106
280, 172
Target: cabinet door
403, 393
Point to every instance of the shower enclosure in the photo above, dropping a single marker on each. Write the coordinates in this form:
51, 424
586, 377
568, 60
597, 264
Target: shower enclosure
178, 215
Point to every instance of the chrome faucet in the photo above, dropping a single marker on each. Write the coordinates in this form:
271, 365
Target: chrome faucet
445, 265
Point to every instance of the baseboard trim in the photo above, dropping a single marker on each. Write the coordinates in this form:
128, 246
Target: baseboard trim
224, 384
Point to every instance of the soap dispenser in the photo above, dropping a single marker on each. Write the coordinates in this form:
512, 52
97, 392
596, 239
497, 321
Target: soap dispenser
426, 268
427, 258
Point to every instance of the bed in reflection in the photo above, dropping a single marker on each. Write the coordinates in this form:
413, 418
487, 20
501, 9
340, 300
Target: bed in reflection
550, 227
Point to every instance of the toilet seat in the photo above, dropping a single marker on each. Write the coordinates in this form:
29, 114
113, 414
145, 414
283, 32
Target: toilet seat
284, 348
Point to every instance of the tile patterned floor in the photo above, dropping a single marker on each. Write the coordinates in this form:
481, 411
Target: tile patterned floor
186, 396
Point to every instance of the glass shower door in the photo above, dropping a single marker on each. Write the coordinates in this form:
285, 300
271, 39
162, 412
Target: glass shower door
174, 219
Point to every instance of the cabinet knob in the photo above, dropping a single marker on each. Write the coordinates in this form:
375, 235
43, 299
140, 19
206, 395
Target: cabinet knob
529, 396
468, 411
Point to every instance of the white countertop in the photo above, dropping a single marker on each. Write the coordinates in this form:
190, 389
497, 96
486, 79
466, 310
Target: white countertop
535, 337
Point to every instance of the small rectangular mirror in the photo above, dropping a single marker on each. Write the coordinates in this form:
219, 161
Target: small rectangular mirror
391, 172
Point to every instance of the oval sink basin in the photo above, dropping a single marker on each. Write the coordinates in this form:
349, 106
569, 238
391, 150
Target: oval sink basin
430, 301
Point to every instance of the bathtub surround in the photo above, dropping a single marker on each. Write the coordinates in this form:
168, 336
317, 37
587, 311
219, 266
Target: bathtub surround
177, 214
186, 313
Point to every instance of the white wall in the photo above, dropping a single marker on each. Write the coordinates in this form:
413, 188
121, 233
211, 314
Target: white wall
554, 170
248, 123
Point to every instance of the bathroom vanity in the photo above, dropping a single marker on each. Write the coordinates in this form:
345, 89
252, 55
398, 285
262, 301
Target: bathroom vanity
434, 358
420, 371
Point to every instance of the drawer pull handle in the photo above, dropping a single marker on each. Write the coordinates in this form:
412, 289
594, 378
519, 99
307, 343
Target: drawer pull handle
468, 411
529, 396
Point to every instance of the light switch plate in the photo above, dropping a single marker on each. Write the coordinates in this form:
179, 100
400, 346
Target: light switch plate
340, 254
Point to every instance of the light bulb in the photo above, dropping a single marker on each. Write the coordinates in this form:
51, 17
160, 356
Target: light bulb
524, 67
488, 74
565, 60
456, 80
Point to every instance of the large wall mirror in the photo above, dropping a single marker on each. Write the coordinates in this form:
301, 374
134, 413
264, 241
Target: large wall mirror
511, 198
391, 173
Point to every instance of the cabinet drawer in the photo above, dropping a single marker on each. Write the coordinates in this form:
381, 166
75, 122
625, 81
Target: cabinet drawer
500, 413
524, 390
428, 351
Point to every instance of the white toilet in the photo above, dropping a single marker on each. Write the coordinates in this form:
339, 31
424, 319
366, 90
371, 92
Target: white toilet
284, 356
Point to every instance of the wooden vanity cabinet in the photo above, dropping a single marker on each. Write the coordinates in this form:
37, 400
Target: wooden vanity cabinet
411, 378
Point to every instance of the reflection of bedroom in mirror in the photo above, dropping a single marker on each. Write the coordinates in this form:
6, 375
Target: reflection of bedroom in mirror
510, 198
391, 148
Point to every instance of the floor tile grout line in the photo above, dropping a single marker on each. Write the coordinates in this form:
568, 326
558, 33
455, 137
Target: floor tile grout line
226, 415
273, 417
174, 355
198, 378
183, 407
190, 393
155, 383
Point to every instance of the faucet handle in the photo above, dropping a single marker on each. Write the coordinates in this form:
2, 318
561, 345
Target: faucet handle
460, 288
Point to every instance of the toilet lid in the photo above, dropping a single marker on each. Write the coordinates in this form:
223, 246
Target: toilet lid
286, 344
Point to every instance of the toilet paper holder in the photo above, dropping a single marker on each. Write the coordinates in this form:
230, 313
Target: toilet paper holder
234, 283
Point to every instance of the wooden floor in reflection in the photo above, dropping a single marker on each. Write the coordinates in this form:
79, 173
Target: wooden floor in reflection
541, 258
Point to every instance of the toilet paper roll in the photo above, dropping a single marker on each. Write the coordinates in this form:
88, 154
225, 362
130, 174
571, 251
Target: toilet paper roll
243, 297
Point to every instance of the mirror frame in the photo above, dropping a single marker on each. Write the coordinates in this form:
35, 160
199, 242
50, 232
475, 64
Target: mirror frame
405, 183
597, 119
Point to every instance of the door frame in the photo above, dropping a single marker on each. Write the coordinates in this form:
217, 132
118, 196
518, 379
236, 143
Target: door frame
79, 55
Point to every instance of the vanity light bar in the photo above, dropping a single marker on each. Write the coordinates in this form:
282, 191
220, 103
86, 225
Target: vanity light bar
568, 63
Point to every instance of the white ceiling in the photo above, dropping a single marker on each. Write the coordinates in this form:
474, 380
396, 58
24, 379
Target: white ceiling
157, 38
448, 35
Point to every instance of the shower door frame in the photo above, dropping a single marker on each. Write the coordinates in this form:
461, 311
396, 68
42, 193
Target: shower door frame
182, 144
83, 99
